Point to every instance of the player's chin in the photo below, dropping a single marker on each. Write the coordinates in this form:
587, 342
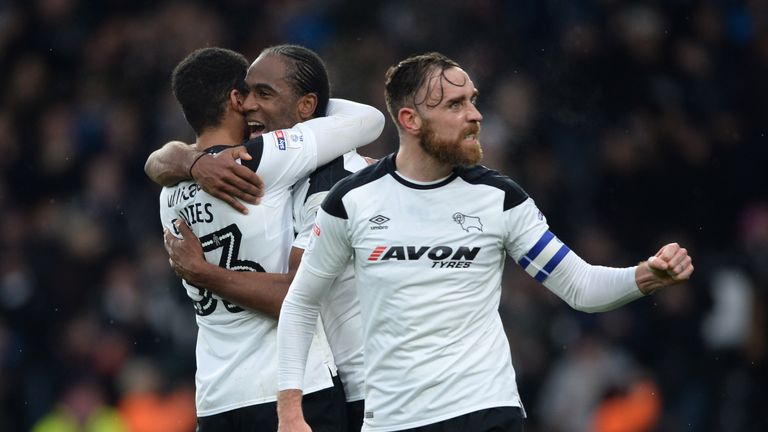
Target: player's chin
472, 153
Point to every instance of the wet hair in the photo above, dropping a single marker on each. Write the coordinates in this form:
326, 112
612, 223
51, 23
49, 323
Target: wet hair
202, 82
405, 79
306, 73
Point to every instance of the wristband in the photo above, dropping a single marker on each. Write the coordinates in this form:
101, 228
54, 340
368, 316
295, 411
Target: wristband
194, 162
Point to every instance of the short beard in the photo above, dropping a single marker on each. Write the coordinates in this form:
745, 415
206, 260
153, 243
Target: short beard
451, 152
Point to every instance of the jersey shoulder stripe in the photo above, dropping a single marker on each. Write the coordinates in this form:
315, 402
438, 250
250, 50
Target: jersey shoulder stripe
332, 203
514, 194
323, 178
255, 148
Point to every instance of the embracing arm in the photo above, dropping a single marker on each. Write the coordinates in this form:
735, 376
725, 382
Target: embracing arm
170, 163
347, 126
259, 291
220, 175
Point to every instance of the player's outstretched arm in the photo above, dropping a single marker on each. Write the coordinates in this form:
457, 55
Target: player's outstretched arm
670, 266
593, 288
220, 175
259, 291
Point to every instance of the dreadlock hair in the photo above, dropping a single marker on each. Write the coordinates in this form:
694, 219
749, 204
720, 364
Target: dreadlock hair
202, 82
404, 80
306, 73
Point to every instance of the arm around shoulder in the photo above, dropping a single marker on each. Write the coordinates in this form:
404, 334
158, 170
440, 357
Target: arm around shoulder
347, 126
371, 120
170, 164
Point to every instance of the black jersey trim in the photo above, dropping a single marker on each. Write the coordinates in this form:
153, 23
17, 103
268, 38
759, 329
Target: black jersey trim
212, 150
514, 194
390, 161
333, 205
323, 178
255, 148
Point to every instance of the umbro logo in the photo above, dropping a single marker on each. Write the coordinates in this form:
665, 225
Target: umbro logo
379, 221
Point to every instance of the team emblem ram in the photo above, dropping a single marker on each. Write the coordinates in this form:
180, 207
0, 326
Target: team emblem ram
466, 222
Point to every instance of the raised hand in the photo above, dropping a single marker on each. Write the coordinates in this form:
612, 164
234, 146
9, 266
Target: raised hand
671, 265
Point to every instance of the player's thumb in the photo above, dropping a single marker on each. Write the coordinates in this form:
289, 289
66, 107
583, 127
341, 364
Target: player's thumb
242, 153
657, 263
183, 228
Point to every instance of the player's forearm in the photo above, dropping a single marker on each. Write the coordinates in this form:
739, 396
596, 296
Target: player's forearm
170, 164
296, 327
263, 292
591, 288
289, 407
646, 280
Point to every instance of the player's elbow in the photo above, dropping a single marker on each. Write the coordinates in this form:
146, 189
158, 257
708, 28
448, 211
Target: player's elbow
152, 170
590, 308
148, 168
375, 125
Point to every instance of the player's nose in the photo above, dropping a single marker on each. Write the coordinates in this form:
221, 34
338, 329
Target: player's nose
474, 114
250, 103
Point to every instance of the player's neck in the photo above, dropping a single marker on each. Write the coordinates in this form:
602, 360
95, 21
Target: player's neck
218, 136
415, 164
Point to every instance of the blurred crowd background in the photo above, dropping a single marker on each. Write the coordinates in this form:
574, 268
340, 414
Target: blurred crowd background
631, 123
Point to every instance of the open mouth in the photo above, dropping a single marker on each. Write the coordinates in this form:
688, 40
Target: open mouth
472, 134
255, 129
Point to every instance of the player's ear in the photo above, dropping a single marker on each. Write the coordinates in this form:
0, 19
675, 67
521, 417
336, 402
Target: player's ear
236, 100
306, 106
410, 120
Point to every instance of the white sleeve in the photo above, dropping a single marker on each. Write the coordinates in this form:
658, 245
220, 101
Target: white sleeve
347, 126
296, 326
288, 155
542, 255
305, 219
325, 257
591, 288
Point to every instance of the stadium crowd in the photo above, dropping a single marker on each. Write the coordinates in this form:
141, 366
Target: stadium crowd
631, 123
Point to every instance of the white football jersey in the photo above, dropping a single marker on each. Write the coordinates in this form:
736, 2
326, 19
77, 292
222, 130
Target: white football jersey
428, 263
429, 260
236, 348
340, 310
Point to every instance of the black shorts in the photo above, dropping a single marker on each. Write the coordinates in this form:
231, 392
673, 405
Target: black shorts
325, 411
498, 419
355, 415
